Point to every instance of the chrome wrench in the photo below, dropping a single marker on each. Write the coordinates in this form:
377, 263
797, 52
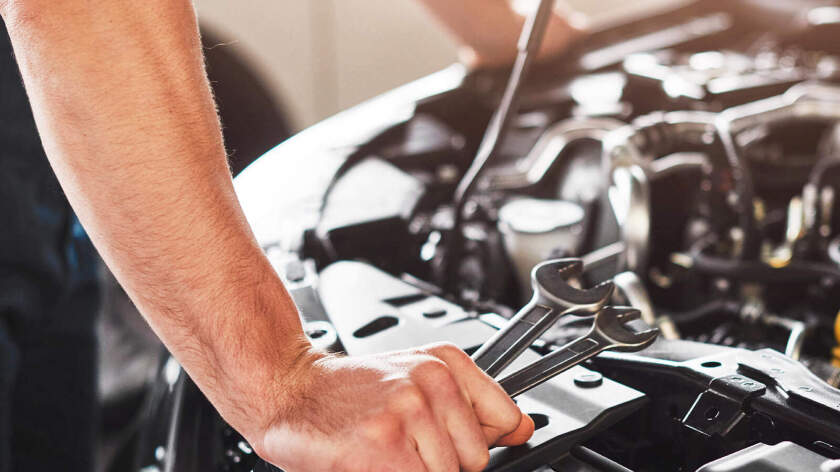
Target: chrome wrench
609, 332
553, 297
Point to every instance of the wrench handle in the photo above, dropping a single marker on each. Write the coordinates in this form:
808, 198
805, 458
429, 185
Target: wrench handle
553, 364
520, 332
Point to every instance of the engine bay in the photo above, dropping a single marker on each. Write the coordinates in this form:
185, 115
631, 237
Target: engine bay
691, 157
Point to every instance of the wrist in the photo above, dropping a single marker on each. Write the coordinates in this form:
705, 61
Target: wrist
254, 358
271, 392
286, 400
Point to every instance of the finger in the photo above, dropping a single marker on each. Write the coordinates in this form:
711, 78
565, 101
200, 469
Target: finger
433, 445
496, 412
410, 460
519, 436
457, 417
431, 441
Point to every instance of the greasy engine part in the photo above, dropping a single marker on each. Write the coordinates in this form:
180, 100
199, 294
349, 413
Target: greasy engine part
533, 230
610, 331
528, 46
693, 159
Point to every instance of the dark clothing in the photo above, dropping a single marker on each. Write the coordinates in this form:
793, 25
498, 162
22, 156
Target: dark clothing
48, 301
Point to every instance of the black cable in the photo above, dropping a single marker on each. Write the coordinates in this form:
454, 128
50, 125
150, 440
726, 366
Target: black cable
529, 44
797, 271
827, 166
746, 192
704, 311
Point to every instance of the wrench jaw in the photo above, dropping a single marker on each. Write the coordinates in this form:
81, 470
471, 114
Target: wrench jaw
609, 332
554, 297
612, 323
549, 280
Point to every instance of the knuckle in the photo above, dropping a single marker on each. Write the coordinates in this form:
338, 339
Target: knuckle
448, 350
447, 347
448, 389
478, 460
433, 370
409, 399
453, 464
383, 429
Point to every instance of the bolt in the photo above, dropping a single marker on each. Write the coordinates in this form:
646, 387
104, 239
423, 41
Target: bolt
589, 379
295, 271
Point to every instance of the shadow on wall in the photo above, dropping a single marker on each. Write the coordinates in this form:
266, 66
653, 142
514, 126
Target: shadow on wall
253, 120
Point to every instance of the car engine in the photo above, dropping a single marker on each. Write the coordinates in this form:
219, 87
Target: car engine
691, 156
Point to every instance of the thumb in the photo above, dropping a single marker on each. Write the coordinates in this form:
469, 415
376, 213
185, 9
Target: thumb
520, 435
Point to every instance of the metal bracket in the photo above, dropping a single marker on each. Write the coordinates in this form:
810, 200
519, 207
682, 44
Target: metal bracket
569, 409
720, 408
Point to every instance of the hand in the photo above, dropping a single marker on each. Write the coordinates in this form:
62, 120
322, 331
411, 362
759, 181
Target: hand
427, 409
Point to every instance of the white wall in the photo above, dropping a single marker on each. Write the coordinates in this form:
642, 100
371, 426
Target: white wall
323, 56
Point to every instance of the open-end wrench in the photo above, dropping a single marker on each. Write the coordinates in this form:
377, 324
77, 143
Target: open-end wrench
609, 332
553, 298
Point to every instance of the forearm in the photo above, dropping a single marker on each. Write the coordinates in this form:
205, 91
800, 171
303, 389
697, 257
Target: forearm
128, 122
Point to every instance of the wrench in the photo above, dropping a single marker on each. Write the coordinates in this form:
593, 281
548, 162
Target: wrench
553, 298
608, 332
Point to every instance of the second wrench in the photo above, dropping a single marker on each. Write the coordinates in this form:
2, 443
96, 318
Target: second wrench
553, 297
608, 332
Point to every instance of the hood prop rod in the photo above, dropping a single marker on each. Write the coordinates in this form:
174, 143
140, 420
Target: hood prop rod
530, 40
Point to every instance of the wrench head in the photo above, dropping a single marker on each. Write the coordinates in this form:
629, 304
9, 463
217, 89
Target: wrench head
550, 281
612, 323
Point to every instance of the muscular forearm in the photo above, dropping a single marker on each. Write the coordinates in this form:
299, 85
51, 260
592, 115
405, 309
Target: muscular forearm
127, 119
128, 122
489, 29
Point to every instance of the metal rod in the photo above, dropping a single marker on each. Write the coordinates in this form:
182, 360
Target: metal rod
529, 44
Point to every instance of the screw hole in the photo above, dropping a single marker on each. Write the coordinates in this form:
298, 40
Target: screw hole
540, 420
435, 314
712, 414
316, 333
380, 324
711, 364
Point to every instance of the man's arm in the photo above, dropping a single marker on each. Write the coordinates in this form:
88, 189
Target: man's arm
129, 125
128, 122
489, 30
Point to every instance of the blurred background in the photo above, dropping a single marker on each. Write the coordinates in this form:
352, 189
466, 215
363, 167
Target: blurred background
321, 56
277, 67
